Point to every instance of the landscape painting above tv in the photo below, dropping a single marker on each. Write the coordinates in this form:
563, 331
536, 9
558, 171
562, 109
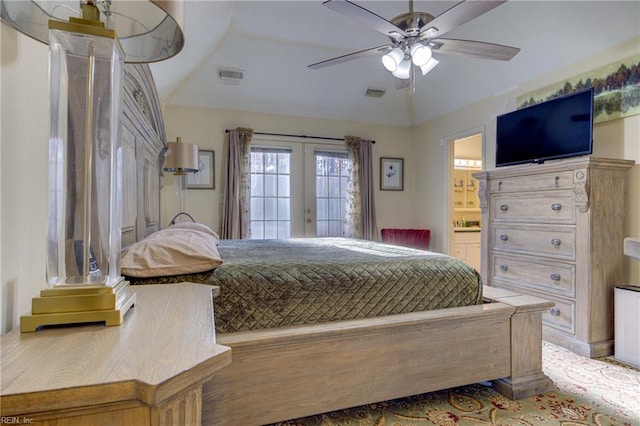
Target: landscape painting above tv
616, 90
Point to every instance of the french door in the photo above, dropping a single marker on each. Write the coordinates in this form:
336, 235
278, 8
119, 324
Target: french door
297, 189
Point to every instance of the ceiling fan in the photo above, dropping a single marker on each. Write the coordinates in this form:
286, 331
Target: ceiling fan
415, 36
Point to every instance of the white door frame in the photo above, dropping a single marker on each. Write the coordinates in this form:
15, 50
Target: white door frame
448, 144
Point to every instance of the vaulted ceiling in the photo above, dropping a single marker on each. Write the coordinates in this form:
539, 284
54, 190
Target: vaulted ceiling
273, 42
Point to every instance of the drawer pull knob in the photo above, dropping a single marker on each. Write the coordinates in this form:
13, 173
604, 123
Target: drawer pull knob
556, 207
504, 207
504, 237
500, 186
555, 312
504, 267
556, 241
555, 277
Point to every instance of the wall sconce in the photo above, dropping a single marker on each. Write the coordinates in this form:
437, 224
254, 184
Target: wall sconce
182, 159
86, 72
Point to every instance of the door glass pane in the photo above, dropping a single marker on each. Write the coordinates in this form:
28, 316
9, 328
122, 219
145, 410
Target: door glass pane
270, 229
331, 192
257, 185
284, 209
321, 186
270, 193
284, 186
322, 207
270, 185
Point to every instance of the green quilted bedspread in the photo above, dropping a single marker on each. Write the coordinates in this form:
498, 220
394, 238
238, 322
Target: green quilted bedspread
276, 283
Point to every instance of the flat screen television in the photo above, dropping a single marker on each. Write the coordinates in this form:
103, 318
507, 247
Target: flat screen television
558, 128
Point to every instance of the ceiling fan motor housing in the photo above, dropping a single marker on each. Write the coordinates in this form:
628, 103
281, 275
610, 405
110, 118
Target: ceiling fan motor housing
411, 22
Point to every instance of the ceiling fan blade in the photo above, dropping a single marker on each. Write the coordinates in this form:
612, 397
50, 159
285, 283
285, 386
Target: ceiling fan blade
457, 15
350, 57
476, 49
359, 13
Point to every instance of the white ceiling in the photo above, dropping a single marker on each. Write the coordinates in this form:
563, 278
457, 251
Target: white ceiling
274, 41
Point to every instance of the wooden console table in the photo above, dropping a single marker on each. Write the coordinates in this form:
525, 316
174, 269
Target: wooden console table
147, 371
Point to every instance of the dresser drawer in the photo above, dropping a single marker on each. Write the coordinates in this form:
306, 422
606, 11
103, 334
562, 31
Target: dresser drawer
540, 207
547, 277
532, 182
555, 241
560, 317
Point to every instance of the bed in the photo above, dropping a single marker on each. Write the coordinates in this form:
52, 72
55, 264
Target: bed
333, 355
316, 325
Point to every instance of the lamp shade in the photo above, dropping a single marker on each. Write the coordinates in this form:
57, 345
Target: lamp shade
183, 158
148, 30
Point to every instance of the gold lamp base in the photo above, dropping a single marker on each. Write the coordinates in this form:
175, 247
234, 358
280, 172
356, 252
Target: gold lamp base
79, 304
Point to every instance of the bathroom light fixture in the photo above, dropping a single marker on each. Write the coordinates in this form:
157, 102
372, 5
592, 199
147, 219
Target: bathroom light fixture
87, 52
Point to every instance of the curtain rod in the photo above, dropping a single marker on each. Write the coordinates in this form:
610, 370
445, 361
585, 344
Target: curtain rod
297, 136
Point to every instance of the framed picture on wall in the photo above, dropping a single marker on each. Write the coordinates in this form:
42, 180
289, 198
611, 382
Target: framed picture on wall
391, 174
204, 177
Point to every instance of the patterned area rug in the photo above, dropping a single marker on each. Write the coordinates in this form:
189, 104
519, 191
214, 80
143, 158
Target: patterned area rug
587, 392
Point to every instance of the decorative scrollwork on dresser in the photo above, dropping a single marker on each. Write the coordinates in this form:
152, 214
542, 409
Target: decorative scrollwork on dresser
483, 196
581, 190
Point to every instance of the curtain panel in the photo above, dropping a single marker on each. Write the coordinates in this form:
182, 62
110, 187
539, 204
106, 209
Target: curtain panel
235, 211
360, 221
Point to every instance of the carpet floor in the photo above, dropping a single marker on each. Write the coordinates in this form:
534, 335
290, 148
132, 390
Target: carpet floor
586, 391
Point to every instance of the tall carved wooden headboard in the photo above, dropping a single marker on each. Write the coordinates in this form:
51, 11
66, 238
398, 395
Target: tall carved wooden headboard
144, 150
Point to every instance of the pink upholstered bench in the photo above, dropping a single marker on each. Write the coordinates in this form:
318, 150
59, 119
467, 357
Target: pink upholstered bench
414, 238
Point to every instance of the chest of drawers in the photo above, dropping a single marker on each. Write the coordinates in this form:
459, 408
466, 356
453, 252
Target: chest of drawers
556, 231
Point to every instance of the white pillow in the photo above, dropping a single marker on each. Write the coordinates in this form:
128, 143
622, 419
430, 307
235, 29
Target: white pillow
183, 248
195, 226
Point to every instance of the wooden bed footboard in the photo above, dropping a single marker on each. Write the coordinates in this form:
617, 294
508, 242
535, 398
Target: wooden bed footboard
292, 372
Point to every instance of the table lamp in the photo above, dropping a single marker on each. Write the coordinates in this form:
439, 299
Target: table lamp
86, 72
182, 159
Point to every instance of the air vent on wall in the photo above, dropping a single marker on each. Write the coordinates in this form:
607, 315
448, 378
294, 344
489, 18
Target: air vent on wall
374, 93
230, 76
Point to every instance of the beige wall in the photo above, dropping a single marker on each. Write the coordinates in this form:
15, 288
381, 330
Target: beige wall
615, 139
205, 127
24, 115
23, 156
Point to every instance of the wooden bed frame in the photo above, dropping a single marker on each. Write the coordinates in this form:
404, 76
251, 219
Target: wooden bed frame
292, 372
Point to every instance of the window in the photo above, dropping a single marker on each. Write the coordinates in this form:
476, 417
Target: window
297, 189
332, 172
270, 193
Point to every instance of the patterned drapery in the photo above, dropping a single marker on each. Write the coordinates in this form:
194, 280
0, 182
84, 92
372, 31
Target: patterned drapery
360, 221
235, 211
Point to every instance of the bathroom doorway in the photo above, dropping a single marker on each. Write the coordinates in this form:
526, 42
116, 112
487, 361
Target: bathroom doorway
464, 155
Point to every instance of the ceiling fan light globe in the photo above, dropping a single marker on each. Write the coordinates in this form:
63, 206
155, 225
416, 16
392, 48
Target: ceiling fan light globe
420, 54
389, 63
392, 60
404, 69
429, 65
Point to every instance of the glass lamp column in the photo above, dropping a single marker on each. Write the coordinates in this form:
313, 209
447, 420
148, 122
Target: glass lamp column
85, 184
